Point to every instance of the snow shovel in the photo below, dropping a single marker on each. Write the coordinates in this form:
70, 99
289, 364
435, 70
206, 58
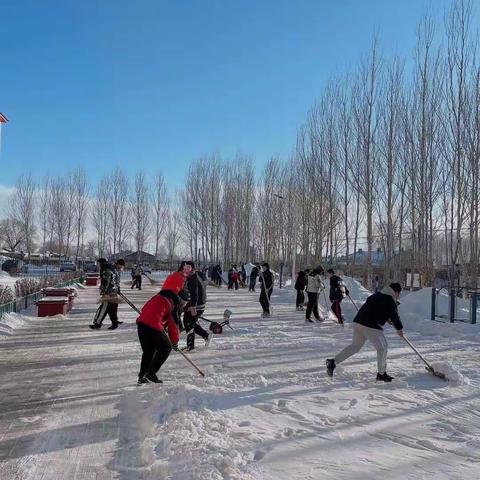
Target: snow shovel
428, 367
354, 304
152, 281
217, 327
178, 351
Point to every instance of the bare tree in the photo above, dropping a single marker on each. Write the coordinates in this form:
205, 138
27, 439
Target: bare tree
22, 208
141, 212
80, 206
118, 208
173, 233
101, 217
12, 234
160, 201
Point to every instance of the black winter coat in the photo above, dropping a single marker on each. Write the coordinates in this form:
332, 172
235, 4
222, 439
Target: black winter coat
336, 284
196, 286
266, 280
302, 281
377, 310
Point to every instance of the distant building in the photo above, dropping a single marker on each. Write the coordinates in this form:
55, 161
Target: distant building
131, 258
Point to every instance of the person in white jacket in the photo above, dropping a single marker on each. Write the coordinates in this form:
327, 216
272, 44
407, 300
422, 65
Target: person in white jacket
314, 287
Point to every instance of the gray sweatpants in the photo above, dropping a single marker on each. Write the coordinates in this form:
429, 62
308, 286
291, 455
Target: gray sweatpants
360, 335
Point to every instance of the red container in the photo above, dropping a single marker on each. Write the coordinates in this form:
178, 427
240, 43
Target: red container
91, 281
49, 306
68, 292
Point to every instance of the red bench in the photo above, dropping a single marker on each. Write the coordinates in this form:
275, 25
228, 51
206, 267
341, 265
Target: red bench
68, 292
50, 306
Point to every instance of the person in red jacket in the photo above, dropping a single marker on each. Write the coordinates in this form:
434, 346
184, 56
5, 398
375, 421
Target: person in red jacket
158, 332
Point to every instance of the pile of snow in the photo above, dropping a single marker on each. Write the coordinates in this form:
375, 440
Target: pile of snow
414, 310
182, 432
357, 291
4, 274
11, 322
454, 376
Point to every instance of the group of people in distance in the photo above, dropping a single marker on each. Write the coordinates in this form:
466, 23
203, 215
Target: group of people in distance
311, 281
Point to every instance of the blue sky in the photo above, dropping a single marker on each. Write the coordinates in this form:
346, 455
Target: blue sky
155, 84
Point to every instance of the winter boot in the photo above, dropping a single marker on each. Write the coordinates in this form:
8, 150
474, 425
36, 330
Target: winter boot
309, 320
151, 378
113, 327
95, 326
384, 377
330, 366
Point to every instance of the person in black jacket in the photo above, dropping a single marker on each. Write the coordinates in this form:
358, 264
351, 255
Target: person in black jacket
300, 285
253, 277
337, 291
381, 307
196, 285
266, 289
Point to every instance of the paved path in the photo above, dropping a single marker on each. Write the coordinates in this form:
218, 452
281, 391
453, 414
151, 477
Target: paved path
59, 386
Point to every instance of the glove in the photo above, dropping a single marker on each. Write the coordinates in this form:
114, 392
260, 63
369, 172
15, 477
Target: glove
175, 346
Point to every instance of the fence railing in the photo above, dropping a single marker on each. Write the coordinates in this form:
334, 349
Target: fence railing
22, 303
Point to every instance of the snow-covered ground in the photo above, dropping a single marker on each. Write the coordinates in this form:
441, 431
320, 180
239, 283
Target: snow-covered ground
265, 410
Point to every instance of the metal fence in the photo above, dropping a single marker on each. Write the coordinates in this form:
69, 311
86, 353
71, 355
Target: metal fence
28, 300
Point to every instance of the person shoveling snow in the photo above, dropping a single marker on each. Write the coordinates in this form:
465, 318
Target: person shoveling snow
380, 308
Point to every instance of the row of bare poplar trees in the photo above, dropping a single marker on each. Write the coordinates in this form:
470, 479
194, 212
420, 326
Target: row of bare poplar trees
388, 157
63, 214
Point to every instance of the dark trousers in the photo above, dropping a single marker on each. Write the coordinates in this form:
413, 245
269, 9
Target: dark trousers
300, 298
231, 283
192, 327
218, 279
251, 287
137, 282
106, 308
156, 347
265, 300
337, 309
312, 305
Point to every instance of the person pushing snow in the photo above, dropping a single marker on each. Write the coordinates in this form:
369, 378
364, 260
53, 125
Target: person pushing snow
158, 332
381, 307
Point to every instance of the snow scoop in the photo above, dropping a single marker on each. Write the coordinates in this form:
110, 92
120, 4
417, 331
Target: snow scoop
179, 351
217, 327
428, 367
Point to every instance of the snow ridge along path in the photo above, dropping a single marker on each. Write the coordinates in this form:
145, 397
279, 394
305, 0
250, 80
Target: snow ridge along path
266, 409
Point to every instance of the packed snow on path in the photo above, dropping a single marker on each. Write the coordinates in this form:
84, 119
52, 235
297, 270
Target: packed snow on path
266, 408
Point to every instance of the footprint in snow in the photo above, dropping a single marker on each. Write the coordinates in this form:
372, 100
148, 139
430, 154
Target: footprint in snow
246, 423
258, 455
349, 405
